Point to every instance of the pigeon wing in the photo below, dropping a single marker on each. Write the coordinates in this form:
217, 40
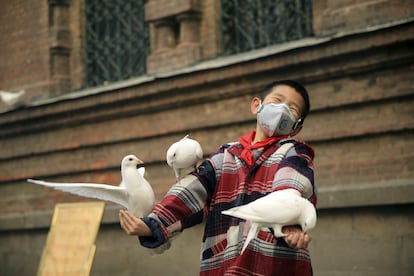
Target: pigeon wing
105, 192
282, 210
268, 209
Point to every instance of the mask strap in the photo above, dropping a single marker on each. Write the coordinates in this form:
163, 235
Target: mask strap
296, 124
260, 107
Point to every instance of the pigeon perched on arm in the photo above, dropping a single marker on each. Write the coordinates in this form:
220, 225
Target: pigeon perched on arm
11, 98
184, 154
275, 210
134, 191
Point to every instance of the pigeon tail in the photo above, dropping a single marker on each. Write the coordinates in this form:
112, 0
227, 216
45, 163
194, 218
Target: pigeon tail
254, 229
230, 212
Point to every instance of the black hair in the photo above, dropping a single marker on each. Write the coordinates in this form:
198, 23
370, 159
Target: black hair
295, 85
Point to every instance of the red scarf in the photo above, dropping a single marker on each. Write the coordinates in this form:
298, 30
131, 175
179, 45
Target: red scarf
246, 141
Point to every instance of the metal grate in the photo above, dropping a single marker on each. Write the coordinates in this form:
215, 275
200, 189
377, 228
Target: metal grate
253, 24
117, 40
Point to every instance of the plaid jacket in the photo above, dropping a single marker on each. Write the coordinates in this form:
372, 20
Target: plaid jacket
224, 181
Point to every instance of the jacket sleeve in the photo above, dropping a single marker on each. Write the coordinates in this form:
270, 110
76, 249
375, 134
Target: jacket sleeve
183, 206
296, 171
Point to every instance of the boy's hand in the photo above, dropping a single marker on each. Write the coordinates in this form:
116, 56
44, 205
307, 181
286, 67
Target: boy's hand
295, 237
133, 225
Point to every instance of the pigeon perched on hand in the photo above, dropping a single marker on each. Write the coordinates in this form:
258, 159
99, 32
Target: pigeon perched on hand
11, 98
184, 154
275, 210
134, 191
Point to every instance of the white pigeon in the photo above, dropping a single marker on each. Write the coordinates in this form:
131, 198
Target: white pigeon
275, 210
134, 191
11, 98
184, 154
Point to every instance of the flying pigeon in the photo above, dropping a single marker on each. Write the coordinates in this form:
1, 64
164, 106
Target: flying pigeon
275, 210
134, 192
184, 154
11, 98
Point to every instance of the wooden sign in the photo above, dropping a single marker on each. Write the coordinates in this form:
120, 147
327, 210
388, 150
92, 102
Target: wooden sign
70, 246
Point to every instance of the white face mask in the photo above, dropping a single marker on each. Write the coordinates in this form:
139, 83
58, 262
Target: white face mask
276, 119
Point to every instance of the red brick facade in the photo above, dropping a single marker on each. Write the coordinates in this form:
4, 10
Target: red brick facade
358, 68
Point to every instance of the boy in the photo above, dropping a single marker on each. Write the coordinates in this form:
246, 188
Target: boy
239, 173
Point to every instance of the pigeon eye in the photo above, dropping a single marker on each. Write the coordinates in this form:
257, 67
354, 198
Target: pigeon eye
130, 159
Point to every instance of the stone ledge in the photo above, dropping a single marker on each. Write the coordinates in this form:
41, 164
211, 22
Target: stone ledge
373, 194
394, 192
159, 9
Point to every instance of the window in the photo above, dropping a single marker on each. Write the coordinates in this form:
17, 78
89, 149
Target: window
116, 40
253, 24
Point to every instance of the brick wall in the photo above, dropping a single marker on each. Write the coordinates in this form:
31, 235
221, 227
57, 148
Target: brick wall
361, 126
46, 58
210, 29
41, 47
175, 29
24, 59
77, 31
350, 15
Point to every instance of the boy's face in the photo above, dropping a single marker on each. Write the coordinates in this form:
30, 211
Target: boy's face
280, 94
288, 95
